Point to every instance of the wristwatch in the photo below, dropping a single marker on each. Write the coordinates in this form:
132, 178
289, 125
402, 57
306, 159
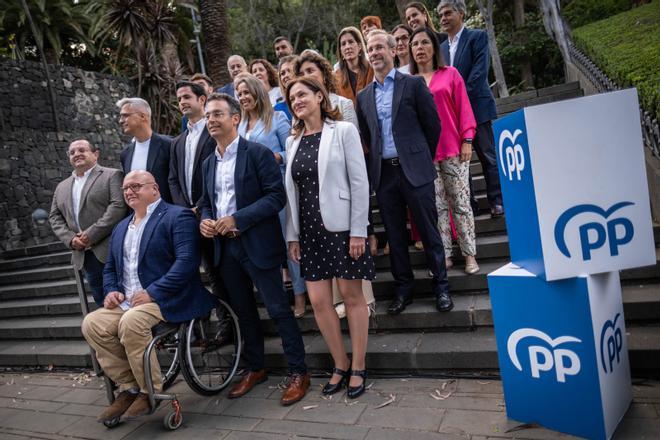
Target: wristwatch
467, 141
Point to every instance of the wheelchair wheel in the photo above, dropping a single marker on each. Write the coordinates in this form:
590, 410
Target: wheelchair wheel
167, 351
208, 365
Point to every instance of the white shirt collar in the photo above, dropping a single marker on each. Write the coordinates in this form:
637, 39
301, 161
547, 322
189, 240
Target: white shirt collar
85, 174
231, 149
456, 37
153, 206
197, 126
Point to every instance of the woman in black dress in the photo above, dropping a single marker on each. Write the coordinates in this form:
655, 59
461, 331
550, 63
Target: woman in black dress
328, 201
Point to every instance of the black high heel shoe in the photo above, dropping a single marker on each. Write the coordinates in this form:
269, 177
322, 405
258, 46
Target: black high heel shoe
355, 392
332, 388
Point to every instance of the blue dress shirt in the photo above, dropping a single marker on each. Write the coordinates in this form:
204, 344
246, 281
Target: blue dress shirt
383, 94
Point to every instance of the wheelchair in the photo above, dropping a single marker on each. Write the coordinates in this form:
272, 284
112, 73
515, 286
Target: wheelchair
208, 365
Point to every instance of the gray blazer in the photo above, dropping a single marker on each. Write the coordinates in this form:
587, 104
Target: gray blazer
343, 182
102, 206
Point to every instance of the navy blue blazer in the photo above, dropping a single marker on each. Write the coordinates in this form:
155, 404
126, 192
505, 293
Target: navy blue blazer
158, 162
168, 263
227, 88
177, 175
415, 129
472, 61
260, 196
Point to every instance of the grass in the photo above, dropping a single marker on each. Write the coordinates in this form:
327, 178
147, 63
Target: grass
627, 48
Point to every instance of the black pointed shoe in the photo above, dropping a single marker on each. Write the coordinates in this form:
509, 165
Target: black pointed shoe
355, 392
443, 302
399, 304
332, 388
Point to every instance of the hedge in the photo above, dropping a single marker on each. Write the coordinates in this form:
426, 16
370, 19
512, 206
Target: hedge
627, 48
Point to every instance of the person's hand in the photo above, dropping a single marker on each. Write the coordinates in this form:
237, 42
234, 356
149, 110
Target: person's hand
207, 228
278, 157
85, 239
225, 225
294, 251
140, 297
356, 247
113, 299
78, 244
466, 152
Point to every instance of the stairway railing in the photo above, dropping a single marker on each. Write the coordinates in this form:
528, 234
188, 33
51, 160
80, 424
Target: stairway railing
603, 83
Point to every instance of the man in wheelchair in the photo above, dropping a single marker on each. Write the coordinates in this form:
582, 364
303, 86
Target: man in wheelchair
151, 275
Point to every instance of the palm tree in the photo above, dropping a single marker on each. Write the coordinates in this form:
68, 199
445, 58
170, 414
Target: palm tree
215, 29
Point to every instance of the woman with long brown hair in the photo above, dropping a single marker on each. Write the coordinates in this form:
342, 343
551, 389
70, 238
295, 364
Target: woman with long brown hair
354, 70
267, 74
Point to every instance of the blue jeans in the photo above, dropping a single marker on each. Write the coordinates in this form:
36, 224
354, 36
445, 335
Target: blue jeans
93, 271
294, 268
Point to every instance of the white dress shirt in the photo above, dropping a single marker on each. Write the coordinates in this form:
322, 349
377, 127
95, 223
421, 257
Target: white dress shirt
131, 280
225, 196
78, 184
453, 45
140, 155
192, 139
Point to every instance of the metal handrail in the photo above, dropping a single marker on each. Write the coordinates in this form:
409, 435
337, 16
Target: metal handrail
602, 83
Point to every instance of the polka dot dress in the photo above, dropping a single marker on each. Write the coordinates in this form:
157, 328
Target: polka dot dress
324, 254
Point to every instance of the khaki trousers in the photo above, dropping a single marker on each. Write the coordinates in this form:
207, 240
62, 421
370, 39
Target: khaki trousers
119, 338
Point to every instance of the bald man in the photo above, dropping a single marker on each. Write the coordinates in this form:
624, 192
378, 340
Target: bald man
152, 275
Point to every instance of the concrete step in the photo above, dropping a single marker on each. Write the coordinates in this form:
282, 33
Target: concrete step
39, 289
413, 352
483, 223
40, 249
37, 261
61, 319
35, 275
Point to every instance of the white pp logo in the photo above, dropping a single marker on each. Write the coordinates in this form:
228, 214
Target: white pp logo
566, 362
515, 158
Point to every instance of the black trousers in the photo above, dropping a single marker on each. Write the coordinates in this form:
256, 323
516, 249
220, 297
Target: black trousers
484, 145
395, 194
238, 275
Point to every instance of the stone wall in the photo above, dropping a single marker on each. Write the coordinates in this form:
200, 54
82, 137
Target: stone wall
33, 157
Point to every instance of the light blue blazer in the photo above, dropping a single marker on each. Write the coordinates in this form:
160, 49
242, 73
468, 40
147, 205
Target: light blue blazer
275, 139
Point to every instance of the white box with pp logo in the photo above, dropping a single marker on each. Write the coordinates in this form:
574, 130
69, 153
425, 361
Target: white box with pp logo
574, 186
562, 350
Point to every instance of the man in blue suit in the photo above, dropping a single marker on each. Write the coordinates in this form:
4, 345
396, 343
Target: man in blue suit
243, 194
235, 65
399, 124
148, 150
151, 275
467, 51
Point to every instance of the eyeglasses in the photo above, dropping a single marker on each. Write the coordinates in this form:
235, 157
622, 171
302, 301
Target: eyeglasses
123, 116
135, 187
215, 115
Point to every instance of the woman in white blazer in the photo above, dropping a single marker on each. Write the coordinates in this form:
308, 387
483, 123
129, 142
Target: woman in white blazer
328, 201
312, 64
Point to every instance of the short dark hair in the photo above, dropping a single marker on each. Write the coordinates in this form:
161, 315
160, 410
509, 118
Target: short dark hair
203, 77
437, 57
93, 148
282, 38
234, 105
195, 88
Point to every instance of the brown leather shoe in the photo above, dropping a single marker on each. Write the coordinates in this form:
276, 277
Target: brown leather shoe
140, 407
298, 385
247, 383
122, 402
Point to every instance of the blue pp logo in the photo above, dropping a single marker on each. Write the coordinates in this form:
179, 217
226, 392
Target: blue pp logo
611, 343
593, 235
513, 155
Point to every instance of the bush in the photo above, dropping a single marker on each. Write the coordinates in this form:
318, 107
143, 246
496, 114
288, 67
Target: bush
582, 12
627, 48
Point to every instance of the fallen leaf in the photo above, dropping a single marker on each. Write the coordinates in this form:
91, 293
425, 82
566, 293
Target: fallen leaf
523, 427
387, 402
305, 408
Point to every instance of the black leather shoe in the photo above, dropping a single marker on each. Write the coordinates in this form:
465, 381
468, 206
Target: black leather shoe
355, 392
443, 302
332, 388
399, 305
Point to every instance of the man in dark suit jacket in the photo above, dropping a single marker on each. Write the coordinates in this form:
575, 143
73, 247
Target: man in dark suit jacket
156, 280
243, 194
467, 50
148, 150
400, 126
235, 65
86, 207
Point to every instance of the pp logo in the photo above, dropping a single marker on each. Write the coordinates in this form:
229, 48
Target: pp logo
593, 235
611, 340
565, 362
515, 158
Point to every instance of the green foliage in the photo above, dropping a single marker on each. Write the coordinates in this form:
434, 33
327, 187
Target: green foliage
627, 48
581, 12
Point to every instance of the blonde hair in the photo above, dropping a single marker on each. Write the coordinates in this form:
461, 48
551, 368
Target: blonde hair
262, 101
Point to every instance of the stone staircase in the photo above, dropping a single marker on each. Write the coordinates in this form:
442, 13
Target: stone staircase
40, 311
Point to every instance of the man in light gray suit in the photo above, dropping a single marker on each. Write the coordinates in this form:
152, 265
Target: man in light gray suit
86, 207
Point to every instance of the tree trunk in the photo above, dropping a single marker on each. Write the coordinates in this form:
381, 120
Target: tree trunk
215, 29
487, 13
525, 66
556, 28
400, 5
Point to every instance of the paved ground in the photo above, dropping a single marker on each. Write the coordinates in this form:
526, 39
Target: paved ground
63, 405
